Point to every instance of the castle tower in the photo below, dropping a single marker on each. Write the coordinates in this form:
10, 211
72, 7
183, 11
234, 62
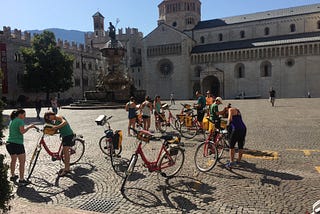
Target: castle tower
181, 14
98, 23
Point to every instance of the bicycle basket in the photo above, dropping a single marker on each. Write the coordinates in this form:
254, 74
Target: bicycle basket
144, 136
48, 130
101, 120
173, 150
117, 139
188, 121
181, 117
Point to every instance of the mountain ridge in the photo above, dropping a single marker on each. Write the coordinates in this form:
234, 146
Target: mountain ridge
63, 34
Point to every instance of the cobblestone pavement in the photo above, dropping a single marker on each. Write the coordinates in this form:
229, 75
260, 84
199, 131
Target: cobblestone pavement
287, 183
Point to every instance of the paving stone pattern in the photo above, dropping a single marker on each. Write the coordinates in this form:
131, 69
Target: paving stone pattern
289, 184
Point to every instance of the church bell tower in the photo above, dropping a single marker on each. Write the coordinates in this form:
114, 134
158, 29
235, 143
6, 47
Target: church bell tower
98, 24
180, 14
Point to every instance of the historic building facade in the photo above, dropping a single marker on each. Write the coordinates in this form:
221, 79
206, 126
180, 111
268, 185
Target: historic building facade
244, 54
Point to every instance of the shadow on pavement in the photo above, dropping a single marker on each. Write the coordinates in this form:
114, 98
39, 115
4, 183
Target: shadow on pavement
82, 184
141, 197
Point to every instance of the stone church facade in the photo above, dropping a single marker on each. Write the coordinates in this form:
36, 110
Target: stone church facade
244, 54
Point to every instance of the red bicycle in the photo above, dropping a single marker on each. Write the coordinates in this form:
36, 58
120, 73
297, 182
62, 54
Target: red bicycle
165, 122
170, 157
209, 151
76, 151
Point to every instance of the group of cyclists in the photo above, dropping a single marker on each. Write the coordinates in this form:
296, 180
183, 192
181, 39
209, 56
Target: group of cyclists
205, 105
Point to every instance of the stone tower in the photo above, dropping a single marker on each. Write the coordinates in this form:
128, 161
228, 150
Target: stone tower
98, 23
181, 14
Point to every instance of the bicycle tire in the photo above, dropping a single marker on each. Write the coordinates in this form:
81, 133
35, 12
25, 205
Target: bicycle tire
188, 132
206, 156
177, 124
221, 146
33, 161
169, 169
132, 163
76, 151
105, 147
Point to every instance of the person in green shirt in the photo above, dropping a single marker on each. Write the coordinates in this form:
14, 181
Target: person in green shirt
15, 145
61, 124
214, 112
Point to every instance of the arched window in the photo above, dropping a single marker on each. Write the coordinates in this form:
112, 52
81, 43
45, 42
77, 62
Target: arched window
220, 37
265, 69
292, 28
239, 71
202, 40
242, 34
266, 31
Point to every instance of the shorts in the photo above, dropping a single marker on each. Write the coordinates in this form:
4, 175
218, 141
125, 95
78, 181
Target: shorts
68, 140
200, 115
15, 149
145, 116
237, 136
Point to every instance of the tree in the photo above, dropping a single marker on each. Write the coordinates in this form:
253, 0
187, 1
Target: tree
48, 68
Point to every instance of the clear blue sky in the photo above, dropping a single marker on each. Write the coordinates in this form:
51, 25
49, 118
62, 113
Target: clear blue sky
141, 14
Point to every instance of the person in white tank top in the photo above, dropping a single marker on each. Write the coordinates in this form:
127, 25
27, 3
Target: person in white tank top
146, 109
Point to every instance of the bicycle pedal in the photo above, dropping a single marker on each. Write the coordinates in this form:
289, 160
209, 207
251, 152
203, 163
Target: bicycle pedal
163, 174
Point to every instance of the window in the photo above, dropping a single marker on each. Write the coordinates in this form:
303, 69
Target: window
174, 24
265, 69
220, 37
318, 24
77, 64
202, 40
165, 67
77, 82
292, 28
239, 71
242, 34
90, 66
266, 31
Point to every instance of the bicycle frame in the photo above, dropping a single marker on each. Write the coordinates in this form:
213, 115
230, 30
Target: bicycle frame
153, 165
57, 155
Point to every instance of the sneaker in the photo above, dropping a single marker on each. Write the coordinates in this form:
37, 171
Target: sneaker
229, 165
14, 178
23, 182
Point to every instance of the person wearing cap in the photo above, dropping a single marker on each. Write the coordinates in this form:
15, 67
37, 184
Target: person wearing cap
200, 105
214, 111
237, 132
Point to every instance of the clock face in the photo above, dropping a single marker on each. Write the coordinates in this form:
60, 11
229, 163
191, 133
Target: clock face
165, 67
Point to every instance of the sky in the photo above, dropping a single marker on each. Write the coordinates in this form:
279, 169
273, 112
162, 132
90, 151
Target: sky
142, 14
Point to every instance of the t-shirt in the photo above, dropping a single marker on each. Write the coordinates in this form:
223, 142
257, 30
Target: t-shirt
15, 135
213, 109
202, 102
65, 130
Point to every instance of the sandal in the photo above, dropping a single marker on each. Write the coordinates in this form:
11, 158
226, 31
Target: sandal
63, 172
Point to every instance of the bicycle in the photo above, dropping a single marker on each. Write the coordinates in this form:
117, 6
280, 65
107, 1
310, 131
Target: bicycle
111, 143
210, 151
171, 121
76, 151
190, 126
168, 162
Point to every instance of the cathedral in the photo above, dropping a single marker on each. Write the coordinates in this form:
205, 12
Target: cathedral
234, 57
241, 55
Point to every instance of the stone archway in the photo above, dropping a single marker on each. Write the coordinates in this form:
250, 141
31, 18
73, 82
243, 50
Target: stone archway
212, 84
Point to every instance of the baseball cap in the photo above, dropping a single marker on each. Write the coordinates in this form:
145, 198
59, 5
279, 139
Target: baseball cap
219, 99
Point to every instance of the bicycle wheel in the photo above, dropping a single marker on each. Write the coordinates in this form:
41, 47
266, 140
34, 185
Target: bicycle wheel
169, 166
33, 161
188, 132
206, 156
105, 148
221, 146
129, 170
76, 151
177, 124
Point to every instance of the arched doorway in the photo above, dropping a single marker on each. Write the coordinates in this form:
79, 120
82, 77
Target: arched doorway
212, 84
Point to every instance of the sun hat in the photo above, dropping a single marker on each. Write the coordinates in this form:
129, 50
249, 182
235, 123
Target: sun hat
219, 99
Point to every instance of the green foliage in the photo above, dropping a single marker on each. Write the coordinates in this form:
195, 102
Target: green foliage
5, 187
48, 68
